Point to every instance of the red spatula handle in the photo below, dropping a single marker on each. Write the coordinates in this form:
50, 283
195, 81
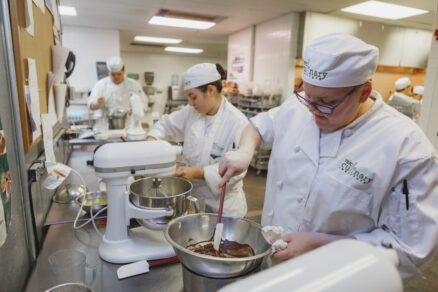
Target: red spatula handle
221, 205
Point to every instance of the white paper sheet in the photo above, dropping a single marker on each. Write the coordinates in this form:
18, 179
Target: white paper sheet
34, 97
48, 139
29, 17
52, 110
40, 5
59, 57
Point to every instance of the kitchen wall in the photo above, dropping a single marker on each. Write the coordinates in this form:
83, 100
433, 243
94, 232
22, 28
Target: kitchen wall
90, 45
163, 67
276, 69
398, 46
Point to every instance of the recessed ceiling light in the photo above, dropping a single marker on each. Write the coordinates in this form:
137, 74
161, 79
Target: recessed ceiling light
383, 10
67, 10
148, 39
184, 50
180, 22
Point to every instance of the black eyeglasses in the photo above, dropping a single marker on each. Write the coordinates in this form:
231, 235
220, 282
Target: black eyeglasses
324, 108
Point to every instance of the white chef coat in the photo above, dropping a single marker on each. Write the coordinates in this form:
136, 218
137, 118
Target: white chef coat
117, 95
204, 135
349, 182
405, 104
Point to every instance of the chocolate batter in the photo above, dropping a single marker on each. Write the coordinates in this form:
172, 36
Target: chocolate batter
227, 249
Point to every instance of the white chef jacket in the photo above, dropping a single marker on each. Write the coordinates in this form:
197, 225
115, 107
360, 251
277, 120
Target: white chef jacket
349, 182
117, 95
204, 135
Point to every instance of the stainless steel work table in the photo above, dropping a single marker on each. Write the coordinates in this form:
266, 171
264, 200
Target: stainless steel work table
62, 236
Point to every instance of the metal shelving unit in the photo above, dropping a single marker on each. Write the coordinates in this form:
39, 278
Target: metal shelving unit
251, 105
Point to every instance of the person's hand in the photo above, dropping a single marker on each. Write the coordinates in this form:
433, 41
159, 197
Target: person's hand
302, 242
101, 102
233, 163
189, 173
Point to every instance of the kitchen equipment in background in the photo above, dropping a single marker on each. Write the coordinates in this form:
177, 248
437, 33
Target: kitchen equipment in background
149, 89
206, 273
135, 130
70, 266
176, 97
115, 163
92, 201
161, 193
70, 287
117, 119
68, 193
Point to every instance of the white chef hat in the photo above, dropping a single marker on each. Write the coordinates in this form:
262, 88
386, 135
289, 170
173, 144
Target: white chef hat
114, 64
199, 75
418, 90
339, 60
402, 83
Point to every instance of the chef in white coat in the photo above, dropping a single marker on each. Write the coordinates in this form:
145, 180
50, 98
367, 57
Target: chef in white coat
114, 91
343, 163
209, 126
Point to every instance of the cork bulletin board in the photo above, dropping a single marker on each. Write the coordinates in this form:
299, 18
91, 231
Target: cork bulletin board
37, 47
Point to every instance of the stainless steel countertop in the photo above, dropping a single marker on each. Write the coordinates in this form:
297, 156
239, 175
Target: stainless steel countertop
63, 236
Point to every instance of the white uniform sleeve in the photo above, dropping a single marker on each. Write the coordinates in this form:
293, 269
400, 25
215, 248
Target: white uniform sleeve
264, 123
412, 231
96, 92
171, 127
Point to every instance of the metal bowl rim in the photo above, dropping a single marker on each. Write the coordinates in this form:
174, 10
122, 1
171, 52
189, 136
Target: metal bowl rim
78, 199
160, 198
208, 257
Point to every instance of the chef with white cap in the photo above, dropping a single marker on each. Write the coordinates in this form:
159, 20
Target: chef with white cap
343, 163
113, 92
209, 126
403, 99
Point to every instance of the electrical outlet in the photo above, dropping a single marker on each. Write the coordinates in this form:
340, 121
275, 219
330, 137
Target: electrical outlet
36, 171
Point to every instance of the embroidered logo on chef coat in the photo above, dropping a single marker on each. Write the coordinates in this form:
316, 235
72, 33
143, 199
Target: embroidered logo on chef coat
349, 168
312, 73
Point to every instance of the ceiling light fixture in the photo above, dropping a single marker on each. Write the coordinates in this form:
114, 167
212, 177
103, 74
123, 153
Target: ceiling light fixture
148, 39
383, 10
67, 10
180, 22
184, 50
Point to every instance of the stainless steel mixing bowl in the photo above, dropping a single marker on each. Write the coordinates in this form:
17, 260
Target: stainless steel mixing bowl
100, 201
117, 119
190, 229
161, 193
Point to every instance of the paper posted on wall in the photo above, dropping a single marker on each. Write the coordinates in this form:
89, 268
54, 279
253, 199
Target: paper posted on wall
53, 118
29, 17
48, 140
34, 98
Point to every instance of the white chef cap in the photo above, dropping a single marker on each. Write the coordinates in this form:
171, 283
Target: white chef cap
114, 64
199, 75
402, 83
418, 90
339, 60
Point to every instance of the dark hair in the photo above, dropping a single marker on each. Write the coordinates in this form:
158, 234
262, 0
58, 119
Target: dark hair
217, 83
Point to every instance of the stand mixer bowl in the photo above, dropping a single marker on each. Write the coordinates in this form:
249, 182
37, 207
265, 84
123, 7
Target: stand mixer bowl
190, 229
161, 193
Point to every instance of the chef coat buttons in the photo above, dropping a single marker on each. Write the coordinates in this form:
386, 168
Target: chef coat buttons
280, 185
300, 199
297, 149
348, 132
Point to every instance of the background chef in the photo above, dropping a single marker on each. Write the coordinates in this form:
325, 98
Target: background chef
403, 99
209, 126
343, 163
113, 92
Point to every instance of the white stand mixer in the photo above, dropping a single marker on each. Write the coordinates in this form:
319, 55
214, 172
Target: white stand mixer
115, 163
135, 130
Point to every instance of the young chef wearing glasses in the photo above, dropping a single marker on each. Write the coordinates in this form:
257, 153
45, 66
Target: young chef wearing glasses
209, 126
343, 163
